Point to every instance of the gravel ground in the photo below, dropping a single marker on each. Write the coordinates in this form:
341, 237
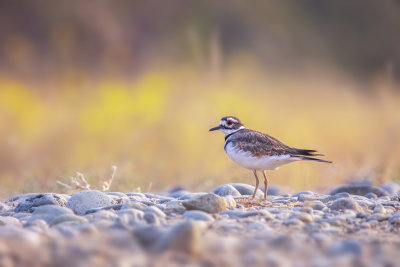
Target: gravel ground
353, 225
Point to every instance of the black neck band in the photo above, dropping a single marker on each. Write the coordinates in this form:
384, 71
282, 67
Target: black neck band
226, 137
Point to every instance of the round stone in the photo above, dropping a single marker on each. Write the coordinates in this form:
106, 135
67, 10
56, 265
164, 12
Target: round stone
89, 199
210, 203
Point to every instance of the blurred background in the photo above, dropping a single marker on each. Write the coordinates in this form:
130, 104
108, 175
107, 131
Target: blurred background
137, 84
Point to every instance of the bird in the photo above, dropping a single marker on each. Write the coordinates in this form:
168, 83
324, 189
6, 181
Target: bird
257, 151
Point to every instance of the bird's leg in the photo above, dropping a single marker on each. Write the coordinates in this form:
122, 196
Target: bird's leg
265, 185
257, 184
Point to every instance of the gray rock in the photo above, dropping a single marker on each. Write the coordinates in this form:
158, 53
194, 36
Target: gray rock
6, 220
137, 196
26, 204
101, 215
178, 193
148, 236
151, 218
226, 190
379, 208
68, 218
302, 216
18, 234
37, 225
191, 195
336, 196
305, 196
311, 193
243, 214
379, 217
210, 203
246, 189
49, 212
359, 189
134, 213
183, 238
112, 207
346, 246
256, 226
4, 207
156, 211
371, 195
174, 207
89, 199
134, 205
276, 190
198, 215
158, 198
230, 202
391, 188
293, 221
118, 197
317, 205
131, 218
395, 218
345, 203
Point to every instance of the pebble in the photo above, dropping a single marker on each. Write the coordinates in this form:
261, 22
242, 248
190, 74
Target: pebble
345, 203
134, 205
159, 213
151, 218
210, 203
28, 202
359, 189
198, 216
395, 218
174, 207
6, 220
89, 199
3, 207
293, 221
49, 212
347, 246
69, 218
230, 202
302, 216
182, 238
246, 189
391, 188
226, 190
148, 235
244, 214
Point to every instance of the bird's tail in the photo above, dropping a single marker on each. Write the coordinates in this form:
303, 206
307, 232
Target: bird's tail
314, 159
306, 152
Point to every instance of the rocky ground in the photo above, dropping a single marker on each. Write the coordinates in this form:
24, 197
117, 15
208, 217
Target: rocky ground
354, 225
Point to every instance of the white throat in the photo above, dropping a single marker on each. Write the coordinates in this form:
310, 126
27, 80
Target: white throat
231, 131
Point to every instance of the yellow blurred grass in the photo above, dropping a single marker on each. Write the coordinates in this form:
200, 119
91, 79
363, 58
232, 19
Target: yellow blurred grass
155, 128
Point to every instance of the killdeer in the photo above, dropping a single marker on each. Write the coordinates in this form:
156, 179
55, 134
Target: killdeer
258, 151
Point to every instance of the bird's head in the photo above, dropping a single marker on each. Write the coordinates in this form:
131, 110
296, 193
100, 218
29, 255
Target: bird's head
228, 125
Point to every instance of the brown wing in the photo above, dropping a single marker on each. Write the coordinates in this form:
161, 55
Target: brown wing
259, 144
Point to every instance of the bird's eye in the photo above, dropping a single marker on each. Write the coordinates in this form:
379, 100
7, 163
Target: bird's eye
229, 123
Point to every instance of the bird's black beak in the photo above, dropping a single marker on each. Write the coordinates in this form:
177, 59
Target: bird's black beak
215, 128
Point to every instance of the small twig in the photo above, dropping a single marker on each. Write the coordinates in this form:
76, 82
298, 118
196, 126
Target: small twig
76, 182
79, 182
149, 187
65, 185
107, 184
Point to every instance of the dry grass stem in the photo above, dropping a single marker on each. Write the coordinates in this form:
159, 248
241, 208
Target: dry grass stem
107, 184
79, 182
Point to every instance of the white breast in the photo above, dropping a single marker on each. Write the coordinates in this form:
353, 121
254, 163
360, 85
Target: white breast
246, 160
